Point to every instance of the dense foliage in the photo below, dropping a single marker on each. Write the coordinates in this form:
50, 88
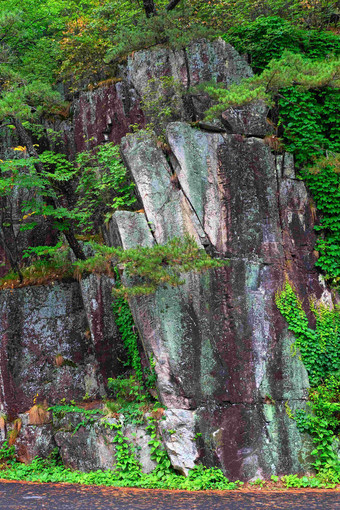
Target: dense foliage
293, 47
267, 38
323, 180
320, 353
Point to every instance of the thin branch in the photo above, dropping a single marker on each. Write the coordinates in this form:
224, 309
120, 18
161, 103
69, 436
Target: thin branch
172, 4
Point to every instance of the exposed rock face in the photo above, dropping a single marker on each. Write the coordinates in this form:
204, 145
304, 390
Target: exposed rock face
109, 352
106, 113
34, 441
178, 432
201, 61
87, 448
84, 444
249, 119
222, 350
40, 324
221, 347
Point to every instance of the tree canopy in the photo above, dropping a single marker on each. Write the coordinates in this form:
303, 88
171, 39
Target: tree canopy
49, 48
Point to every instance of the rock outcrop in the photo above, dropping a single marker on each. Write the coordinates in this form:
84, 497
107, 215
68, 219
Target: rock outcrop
222, 350
221, 347
57, 341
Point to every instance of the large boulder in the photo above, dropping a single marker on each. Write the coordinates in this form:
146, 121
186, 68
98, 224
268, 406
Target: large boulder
106, 113
57, 341
249, 119
201, 61
222, 349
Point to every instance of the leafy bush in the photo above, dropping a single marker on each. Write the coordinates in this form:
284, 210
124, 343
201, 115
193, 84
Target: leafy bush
104, 186
269, 37
291, 69
159, 265
323, 179
126, 328
7, 452
320, 353
126, 389
310, 121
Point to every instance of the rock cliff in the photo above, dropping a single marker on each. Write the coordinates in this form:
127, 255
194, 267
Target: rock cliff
222, 351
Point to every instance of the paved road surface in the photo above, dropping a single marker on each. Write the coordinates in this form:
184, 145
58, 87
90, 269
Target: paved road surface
21, 496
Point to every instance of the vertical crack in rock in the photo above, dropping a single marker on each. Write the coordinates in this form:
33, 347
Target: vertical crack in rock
206, 241
166, 208
188, 99
279, 205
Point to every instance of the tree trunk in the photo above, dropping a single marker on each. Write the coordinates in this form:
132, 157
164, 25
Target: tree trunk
9, 241
26, 140
172, 4
149, 8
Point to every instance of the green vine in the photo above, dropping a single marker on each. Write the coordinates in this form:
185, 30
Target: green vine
323, 180
126, 328
320, 353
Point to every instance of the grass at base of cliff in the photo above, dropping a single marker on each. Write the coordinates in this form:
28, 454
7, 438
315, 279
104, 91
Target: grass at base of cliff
201, 478
48, 470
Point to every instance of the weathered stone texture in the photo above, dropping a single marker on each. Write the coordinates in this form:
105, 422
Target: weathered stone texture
39, 323
34, 440
249, 119
201, 61
178, 433
168, 212
219, 342
36, 325
105, 114
97, 298
89, 447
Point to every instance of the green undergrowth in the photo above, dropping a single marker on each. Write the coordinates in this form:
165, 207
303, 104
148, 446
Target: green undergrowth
323, 180
201, 478
51, 471
320, 353
131, 406
126, 327
159, 265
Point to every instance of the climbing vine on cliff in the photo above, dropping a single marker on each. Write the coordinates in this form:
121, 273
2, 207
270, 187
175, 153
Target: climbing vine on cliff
320, 353
127, 330
323, 180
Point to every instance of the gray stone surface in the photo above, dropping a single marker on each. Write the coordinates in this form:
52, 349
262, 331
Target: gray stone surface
92, 446
128, 229
219, 343
249, 119
178, 433
201, 61
168, 212
139, 438
89, 448
37, 324
70, 320
34, 441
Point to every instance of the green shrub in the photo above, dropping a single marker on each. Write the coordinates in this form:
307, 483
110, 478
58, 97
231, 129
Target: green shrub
323, 179
320, 353
268, 37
